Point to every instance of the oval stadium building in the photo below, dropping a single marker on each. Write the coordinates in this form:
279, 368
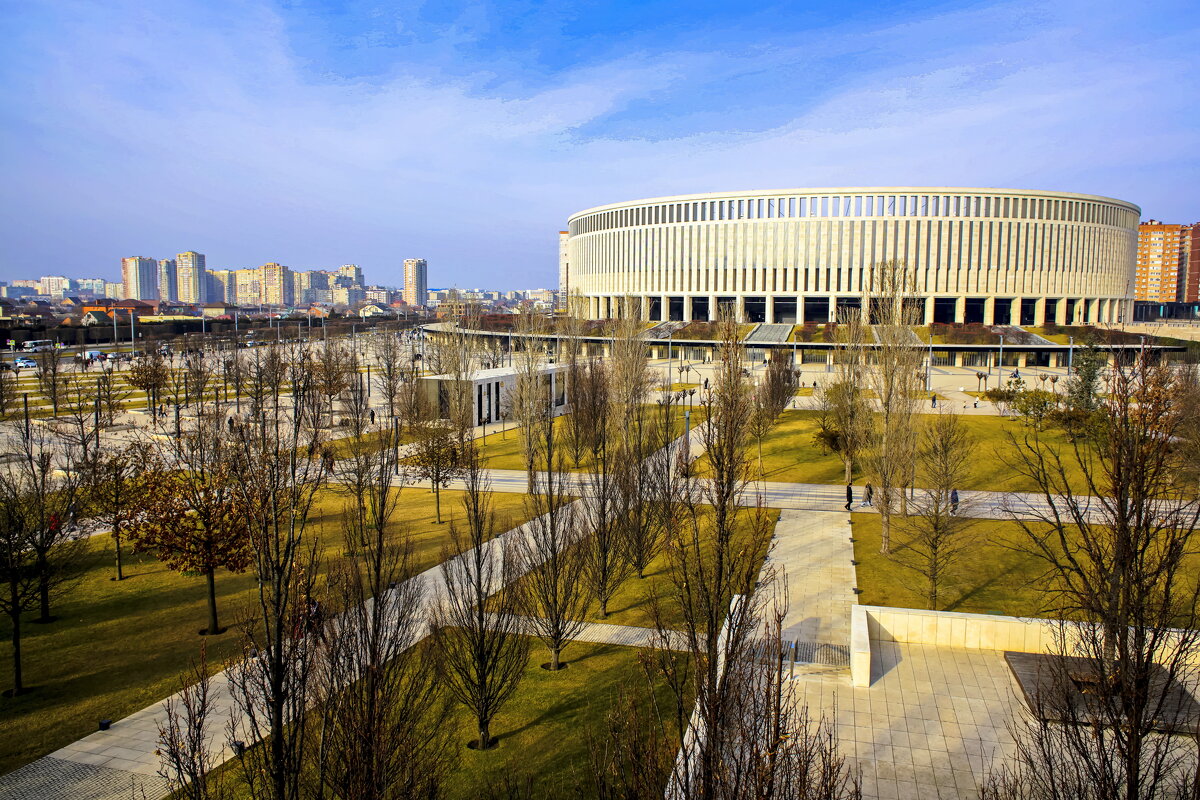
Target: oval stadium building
992, 256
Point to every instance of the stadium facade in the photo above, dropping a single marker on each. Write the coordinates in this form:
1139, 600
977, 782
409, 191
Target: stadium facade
993, 256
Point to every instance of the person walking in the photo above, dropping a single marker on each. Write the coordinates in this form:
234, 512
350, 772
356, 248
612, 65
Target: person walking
849, 496
954, 502
869, 496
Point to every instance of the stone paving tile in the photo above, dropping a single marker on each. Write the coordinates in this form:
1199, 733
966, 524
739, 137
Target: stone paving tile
929, 726
815, 552
55, 778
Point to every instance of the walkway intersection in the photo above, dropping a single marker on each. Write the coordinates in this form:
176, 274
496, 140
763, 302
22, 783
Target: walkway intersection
933, 719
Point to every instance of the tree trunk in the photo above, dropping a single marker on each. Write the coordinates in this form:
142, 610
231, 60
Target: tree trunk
437, 502
554, 655
213, 629
603, 608
44, 594
117, 539
485, 736
849, 470
14, 617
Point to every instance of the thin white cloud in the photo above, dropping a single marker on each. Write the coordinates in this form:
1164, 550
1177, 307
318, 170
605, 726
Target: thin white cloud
172, 130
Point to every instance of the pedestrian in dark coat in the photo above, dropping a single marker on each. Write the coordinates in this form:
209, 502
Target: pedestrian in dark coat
954, 501
849, 496
869, 495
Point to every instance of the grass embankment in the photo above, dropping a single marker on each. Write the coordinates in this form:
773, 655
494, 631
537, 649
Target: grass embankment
118, 647
791, 455
993, 575
544, 730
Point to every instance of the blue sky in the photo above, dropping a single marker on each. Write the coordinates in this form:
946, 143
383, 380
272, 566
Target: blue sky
320, 133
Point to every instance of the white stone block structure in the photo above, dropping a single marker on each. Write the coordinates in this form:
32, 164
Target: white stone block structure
993, 256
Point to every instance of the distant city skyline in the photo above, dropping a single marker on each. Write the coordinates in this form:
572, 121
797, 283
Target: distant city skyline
311, 135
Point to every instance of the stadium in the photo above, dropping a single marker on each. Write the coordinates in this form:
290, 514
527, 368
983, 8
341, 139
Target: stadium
798, 256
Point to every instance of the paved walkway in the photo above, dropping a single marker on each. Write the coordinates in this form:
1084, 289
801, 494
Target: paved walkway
934, 718
815, 552
624, 635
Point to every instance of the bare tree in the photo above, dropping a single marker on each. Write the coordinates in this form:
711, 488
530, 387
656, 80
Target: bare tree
894, 377
936, 533
714, 556
185, 739
51, 376
39, 552
529, 399
278, 478
555, 596
81, 420
607, 564
383, 721
1115, 543
391, 370
8, 394
770, 399
483, 653
589, 385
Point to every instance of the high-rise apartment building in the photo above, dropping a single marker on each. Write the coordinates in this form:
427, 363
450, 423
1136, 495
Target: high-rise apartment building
275, 284
564, 268
1168, 262
55, 285
139, 277
168, 286
190, 277
350, 275
1189, 263
246, 287
221, 286
416, 279
93, 286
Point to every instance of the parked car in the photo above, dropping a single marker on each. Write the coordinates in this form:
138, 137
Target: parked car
23, 362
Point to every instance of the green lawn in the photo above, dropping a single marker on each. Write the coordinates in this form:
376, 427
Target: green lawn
994, 578
790, 454
544, 729
630, 604
504, 449
118, 647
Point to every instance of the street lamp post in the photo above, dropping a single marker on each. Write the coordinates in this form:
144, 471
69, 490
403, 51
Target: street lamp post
1070, 353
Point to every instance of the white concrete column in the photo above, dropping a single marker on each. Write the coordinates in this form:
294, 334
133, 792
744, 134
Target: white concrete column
799, 310
712, 307
1060, 311
989, 311
687, 308
929, 303
960, 309
1039, 311
664, 308
770, 308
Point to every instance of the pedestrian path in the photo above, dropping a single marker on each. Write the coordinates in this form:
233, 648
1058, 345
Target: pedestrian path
623, 635
815, 553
